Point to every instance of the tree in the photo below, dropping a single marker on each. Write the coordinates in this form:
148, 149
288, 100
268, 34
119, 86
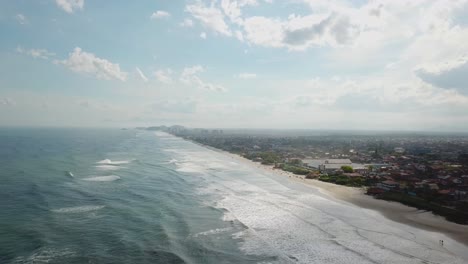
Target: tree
347, 169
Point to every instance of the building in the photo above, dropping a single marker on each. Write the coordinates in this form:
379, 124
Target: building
399, 150
338, 161
334, 165
388, 185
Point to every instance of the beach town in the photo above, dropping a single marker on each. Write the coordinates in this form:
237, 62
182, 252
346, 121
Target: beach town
424, 171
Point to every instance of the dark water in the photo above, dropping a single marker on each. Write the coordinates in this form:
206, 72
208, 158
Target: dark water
137, 209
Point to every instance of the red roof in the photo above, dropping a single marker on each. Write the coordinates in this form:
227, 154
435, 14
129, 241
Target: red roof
390, 182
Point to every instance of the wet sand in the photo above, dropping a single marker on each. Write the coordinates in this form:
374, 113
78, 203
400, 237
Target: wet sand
391, 210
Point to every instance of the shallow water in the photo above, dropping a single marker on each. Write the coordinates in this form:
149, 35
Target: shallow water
125, 196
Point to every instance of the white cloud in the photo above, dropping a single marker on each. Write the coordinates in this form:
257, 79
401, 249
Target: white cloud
36, 53
70, 6
239, 35
189, 71
187, 23
164, 76
232, 8
300, 32
141, 74
190, 77
21, 19
210, 17
203, 35
449, 75
7, 101
337, 24
247, 76
159, 14
85, 62
263, 31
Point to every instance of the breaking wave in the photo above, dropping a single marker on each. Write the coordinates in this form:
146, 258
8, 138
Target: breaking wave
46, 255
102, 178
115, 162
214, 231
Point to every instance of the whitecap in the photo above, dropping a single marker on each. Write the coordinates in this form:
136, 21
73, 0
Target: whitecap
214, 231
172, 161
115, 162
189, 167
45, 255
102, 178
78, 209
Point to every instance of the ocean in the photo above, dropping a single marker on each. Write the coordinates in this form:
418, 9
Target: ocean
132, 196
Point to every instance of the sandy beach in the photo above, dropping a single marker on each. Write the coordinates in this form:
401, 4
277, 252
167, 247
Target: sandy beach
391, 210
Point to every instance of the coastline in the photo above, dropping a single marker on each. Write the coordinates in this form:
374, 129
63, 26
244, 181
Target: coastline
391, 210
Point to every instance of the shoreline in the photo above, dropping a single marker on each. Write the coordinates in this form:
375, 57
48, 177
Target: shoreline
393, 211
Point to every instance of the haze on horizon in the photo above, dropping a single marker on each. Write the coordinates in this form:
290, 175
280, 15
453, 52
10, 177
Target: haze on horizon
302, 64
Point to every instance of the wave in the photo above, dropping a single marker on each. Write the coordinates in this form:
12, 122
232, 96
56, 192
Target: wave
189, 167
69, 173
102, 178
116, 162
214, 231
172, 161
46, 255
78, 209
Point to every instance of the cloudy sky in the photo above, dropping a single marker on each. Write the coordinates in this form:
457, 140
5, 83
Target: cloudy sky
312, 64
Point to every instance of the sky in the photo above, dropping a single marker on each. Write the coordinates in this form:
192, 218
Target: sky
298, 64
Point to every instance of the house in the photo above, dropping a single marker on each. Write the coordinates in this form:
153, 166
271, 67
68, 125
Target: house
353, 175
342, 162
388, 185
334, 165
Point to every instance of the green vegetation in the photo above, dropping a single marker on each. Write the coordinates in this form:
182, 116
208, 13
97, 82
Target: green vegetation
295, 169
449, 213
347, 169
343, 180
295, 162
268, 158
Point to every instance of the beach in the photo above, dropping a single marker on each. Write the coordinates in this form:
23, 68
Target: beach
356, 196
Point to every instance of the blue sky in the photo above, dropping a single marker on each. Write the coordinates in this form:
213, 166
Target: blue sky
311, 64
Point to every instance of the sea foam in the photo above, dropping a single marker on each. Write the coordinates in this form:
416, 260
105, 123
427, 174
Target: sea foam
102, 178
214, 231
78, 209
46, 255
115, 162
302, 227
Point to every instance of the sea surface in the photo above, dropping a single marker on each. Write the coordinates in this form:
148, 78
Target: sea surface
130, 196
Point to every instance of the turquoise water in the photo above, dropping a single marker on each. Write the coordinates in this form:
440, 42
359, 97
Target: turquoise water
128, 196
